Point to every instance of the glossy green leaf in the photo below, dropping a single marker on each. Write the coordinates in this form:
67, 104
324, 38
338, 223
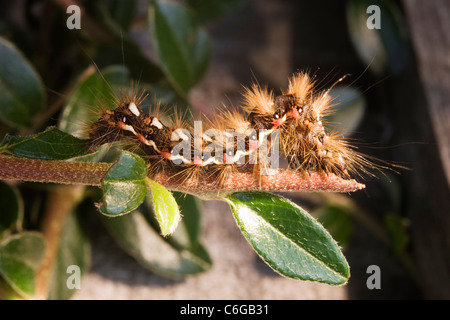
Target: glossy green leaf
182, 47
52, 144
288, 238
176, 255
121, 49
165, 207
125, 51
20, 255
74, 250
165, 94
384, 50
348, 110
211, 9
136, 234
93, 89
124, 186
11, 202
337, 221
21, 91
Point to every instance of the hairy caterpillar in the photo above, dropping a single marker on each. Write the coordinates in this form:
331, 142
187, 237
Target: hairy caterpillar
235, 141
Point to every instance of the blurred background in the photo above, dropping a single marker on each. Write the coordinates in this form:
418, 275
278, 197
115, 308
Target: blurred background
394, 103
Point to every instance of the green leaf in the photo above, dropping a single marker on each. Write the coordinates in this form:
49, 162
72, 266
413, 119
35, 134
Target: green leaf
21, 91
212, 9
11, 202
136, 234
93, 88
114, 18
164, 93
74, 249
337, 221
384, 50
124, 186
288, 238
182, 47
165, 207
20, 255
52, 144
125, 51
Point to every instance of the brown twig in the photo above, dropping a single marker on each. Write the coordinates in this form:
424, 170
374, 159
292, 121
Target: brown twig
87, 173
61, 201
56, 171
282, 180
64, 198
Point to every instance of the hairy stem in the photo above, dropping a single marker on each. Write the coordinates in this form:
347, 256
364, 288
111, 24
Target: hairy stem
87, 173
283, 180
64, 172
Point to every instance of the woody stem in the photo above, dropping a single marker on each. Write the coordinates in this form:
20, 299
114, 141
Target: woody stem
87, 173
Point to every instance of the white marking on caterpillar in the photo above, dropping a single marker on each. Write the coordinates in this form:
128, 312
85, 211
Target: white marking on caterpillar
151, 143
211, 159
134, 110
239, 154
156, 123
265, 133
129, 128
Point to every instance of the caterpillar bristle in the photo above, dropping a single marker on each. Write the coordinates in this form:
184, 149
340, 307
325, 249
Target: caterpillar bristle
229, 118
300, 86
181, 119
258, 99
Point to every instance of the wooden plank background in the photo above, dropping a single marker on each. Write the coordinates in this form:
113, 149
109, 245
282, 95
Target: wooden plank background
429, 26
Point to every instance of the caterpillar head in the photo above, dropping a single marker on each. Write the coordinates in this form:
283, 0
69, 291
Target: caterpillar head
287, 106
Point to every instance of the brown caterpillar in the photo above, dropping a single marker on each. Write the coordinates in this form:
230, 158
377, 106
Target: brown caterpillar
233, 141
